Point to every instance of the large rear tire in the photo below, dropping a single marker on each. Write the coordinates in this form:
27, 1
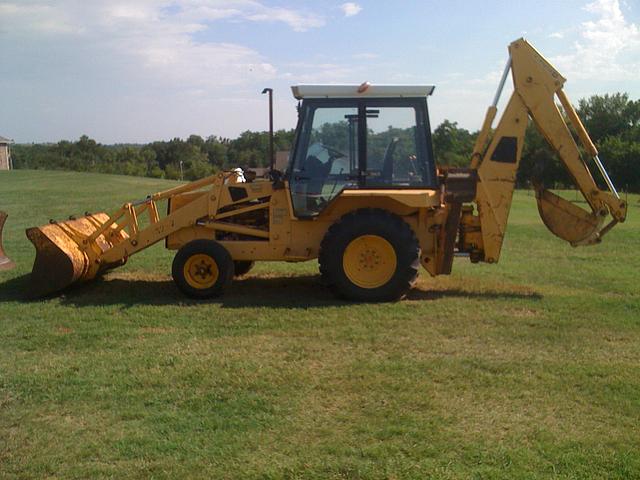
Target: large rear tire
242, 267
202, 269
370, 255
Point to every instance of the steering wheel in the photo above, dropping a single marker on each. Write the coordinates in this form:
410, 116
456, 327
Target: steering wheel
333, 153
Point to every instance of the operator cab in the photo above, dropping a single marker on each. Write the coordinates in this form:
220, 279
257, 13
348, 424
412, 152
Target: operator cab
359, 137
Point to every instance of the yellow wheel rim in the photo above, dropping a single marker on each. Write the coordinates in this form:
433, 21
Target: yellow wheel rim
369, 261
201, 271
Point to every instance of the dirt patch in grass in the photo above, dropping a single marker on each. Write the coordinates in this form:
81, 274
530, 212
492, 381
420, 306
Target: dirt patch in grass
158, 330
64, 330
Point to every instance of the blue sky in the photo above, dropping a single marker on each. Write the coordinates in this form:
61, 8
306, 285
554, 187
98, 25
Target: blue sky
143, 70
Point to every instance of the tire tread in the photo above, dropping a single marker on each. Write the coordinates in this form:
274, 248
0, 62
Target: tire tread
357, 223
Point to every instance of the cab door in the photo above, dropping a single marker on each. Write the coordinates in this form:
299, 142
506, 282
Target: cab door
397, 145
326, 159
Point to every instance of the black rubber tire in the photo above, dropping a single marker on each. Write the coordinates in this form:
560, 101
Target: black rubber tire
242, 267
370, 222
214, 250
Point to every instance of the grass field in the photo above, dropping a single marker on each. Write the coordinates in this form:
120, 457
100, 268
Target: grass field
525, 369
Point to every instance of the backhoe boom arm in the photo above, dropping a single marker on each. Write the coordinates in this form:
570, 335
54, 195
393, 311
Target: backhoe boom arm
537, 84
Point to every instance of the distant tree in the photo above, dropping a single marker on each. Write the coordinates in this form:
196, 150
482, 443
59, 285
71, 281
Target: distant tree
540, 163
613, 122
452, 145
196, 141
622, 160
608, 115
216, 150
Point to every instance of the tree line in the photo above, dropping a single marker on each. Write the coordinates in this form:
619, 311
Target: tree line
188, 159
613, 122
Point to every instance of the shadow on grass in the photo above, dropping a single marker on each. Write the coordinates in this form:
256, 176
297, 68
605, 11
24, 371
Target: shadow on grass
15, 289
280, 292
424, 294
285, 292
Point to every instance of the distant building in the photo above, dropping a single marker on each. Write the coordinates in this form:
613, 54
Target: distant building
5, 154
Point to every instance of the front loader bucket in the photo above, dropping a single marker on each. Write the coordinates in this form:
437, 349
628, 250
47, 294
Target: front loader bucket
62, 257
5, 262
568, 221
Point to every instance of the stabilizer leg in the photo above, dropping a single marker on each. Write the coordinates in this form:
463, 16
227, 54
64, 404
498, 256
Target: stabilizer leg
5, 262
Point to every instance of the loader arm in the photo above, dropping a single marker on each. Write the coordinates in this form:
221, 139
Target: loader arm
79, 249
537, 84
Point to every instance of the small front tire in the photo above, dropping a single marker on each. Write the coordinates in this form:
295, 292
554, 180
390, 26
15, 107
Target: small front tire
202, 269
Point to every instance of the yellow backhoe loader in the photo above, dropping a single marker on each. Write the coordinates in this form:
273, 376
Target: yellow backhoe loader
361, 193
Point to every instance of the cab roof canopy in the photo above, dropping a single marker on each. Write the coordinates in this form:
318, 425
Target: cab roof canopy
364, 90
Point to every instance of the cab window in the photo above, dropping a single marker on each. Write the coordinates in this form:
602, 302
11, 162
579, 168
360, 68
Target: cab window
326, 159
395, 155
359, 143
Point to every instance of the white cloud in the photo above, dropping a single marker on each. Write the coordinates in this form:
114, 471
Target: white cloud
124, 70
365, 56
248, 10
189, 11
558, 35
297, 21
350, 9
29, 16
318, 72
608, 48
158, 36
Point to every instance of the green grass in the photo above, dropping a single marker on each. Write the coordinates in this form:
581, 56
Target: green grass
525, 369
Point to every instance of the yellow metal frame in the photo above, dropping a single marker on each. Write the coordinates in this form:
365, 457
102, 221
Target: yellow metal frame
204, 208
537, 84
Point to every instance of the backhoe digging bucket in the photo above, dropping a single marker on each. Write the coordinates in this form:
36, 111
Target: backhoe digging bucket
5, 262
62, 256
568, 221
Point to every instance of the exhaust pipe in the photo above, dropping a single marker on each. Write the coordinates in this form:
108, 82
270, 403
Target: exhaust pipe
5, 262
272, 155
